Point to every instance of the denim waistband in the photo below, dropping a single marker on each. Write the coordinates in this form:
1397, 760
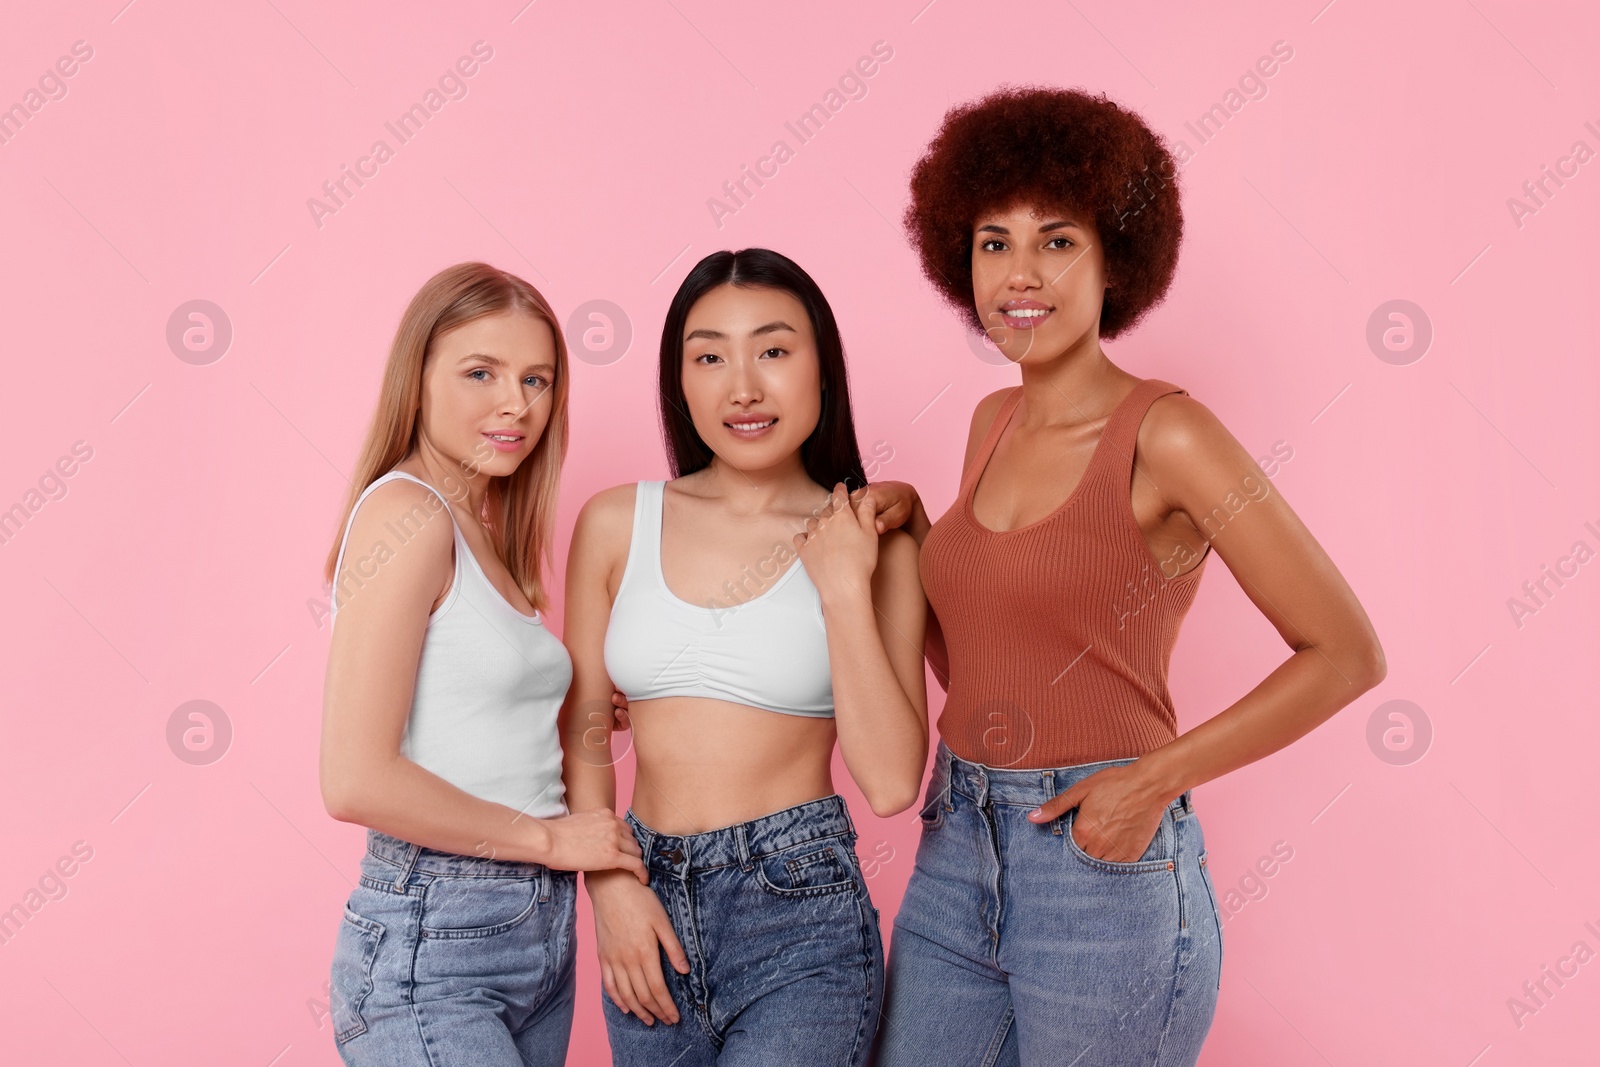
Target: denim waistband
738, 844
1032, 787
407, 857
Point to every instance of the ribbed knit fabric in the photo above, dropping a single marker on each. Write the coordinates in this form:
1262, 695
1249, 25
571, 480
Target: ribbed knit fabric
1059, 632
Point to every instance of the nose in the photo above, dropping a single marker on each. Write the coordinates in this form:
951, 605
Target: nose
514, 400
744, 385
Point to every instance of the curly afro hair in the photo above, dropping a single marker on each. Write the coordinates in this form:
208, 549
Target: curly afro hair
1059, 148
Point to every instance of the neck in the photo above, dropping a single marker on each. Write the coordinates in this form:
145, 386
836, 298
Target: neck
752, 490
1077, 386
462, 484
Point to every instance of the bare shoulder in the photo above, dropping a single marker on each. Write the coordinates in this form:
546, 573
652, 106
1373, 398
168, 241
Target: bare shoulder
605, 525
1188, 451
983, 417
403, 505
415, 568
1180, 428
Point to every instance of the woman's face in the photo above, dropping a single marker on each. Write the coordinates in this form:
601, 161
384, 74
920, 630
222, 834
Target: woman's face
1038, 280
485, 380
751, 376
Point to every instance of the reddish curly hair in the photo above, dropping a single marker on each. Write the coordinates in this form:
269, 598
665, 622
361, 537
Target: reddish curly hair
1058, 148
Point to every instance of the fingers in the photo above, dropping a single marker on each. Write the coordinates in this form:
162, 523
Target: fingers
627, 844
674, 948
610, 986
627, 999
636, 865
867, 513
659, 1000
1056, 806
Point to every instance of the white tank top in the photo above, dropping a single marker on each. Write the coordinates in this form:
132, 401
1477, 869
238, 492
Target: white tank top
489, 684
769, 651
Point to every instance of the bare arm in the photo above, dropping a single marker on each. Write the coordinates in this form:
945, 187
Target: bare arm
873, 610
1200, 467
586, 715
875, 649
631, 926
367, 693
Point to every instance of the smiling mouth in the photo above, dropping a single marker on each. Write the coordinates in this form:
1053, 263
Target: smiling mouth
749, 428
1025, 318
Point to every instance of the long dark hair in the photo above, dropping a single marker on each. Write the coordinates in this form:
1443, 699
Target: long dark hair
830, 454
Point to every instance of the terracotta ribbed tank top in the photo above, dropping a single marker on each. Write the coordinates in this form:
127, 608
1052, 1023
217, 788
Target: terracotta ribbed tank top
1059, 632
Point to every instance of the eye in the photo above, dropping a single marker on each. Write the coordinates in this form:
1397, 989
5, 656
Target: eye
985, 246
705, 355
530, 379
1064, 242
479, 370
780, 351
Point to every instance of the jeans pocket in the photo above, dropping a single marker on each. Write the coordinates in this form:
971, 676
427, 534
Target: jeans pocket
1159, 855
354, 951
811, 868
466, 907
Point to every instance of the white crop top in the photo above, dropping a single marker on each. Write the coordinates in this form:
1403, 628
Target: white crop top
489, 684
768, 652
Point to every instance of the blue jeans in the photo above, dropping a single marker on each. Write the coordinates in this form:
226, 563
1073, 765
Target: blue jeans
785, 956
454, 959
1015, 946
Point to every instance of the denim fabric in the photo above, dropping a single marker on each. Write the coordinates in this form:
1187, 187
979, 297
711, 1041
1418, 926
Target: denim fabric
1015, 946
785, 956
447, 959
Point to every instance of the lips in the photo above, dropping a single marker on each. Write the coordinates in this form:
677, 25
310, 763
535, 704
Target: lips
1025, 314
749, 428
513, 443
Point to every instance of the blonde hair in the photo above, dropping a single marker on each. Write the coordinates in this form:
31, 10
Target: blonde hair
518, 510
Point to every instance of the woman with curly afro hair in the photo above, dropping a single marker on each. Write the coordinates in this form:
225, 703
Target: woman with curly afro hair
1060, 910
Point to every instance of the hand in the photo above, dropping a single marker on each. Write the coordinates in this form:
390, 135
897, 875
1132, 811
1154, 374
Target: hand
840, 546
895, 502
629, 925
620, 716
1118, 813
594, 841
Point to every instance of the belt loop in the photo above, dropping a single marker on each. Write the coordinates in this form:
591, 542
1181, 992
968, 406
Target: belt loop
743, 844
413, 851
1050, 791
848, 821
983, 786
545, 879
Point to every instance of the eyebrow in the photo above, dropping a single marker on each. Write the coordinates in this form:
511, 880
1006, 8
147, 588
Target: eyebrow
717, 335
1046, 228
498, 362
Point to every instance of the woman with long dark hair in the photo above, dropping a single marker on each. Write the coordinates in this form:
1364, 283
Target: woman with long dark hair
1060, 910
743, 666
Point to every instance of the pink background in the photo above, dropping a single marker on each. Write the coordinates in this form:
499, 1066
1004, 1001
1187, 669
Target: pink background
179, 561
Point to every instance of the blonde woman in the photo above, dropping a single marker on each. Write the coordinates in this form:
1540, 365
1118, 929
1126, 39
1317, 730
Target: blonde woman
441, 698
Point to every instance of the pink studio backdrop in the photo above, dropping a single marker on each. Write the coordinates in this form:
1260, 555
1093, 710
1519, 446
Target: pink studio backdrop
1438, 860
